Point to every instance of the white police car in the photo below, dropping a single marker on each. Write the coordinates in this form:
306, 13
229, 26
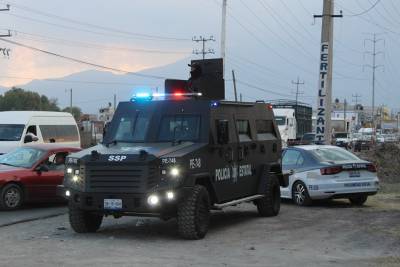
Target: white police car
327, 172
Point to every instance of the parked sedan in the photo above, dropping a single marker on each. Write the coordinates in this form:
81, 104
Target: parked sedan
327, 172
31, 173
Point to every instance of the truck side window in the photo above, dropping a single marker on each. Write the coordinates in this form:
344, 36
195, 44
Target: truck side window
222, 127
243, 128
265, 130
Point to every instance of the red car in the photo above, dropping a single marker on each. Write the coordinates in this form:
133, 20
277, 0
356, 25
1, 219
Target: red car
31, 174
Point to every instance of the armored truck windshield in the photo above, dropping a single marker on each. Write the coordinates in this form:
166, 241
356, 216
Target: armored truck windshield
160, 121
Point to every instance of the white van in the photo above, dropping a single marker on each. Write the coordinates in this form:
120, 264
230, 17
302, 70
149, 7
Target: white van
21, 127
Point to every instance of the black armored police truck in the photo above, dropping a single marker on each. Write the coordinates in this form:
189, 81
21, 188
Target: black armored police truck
177, 157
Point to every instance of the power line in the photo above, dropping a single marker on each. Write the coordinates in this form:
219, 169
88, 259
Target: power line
267, 6
109, 29
70, 81
365, 11
261, 89
299, 46
90, 45
82, 61
86, 30
265, 44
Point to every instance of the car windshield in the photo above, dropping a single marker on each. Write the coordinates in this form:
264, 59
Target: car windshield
341, 135
333, 154
132, 128
11, 132
280, 120
179, 128
24, 157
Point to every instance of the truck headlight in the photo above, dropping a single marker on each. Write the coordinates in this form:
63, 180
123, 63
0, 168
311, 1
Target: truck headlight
75, 178
174, 172
70, 170
153, 200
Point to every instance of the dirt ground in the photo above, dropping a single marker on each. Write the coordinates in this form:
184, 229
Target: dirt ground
387, 159
326, 234
332, 233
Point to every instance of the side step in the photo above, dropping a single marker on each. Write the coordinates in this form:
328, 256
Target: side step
237, 201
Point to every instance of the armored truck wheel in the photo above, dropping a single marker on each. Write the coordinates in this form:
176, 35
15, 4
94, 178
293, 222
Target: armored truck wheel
194, 214
270, 204
83, 221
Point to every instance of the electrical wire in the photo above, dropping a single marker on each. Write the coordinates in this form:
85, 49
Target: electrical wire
91, 45
72, 81
82, 61
365, 11
108, 29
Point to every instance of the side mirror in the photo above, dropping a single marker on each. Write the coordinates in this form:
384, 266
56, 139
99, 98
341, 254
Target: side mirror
28, 139
42, 168
222, 132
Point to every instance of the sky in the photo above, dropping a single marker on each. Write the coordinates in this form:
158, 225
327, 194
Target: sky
270, 43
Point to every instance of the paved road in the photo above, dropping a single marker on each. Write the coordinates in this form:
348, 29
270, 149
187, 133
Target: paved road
323, 235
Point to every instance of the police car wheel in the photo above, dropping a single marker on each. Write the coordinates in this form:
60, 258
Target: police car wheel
12, 197
270, 204
194, 214
359, 200
300, 194
83, 221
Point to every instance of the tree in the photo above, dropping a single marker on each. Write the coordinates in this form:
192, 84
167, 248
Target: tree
76, 112
19, 99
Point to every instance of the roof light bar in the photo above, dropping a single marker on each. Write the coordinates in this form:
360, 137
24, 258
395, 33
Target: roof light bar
150, 96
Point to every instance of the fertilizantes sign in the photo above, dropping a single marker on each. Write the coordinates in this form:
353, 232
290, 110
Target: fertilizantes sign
322, 101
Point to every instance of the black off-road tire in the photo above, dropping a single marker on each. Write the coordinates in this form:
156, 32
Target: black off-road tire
300, 194
11, 197
84, 221
358, 200
194, 214
270, 204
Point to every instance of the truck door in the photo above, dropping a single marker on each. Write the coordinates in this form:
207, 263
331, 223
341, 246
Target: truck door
246, 180
224, 158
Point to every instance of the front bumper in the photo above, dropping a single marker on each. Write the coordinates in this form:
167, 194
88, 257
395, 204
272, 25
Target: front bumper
132, 204
320, 190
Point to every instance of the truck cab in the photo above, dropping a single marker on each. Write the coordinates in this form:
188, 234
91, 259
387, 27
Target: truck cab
287, 125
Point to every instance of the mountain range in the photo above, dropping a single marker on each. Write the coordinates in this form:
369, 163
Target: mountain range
93, 89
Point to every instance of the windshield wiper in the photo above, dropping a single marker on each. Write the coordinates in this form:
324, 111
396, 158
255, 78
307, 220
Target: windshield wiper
114, 141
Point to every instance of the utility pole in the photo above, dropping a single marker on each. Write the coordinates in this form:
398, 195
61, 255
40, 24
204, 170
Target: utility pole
234, 85
373, 53
324, 104
297, 92
203, 51
223, 34
355, 99
115, 102
70, 100
241, 97
344, 115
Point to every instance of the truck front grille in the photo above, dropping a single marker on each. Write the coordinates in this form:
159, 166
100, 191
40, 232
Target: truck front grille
120, 178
